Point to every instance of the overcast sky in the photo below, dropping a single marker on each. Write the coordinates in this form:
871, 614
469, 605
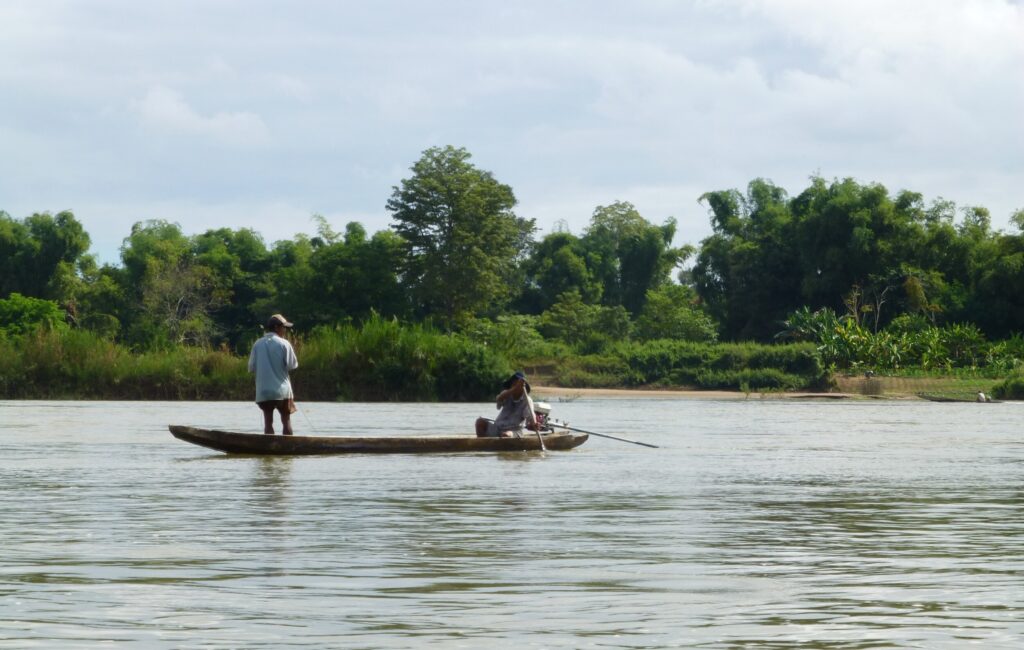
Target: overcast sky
223, 113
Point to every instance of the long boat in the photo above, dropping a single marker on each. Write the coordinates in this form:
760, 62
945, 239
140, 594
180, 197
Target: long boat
965, 400
279, 445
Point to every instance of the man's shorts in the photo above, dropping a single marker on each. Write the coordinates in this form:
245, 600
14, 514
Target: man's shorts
280, 405
492, 431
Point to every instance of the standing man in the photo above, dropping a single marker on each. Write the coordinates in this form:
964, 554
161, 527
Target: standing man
271, 358
516, 411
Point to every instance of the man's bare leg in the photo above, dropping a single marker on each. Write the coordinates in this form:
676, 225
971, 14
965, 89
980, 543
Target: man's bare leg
286, 422
268, 421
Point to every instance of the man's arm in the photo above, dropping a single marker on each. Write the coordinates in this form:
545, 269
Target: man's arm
502, 396
291, 362
529, 415
252, 357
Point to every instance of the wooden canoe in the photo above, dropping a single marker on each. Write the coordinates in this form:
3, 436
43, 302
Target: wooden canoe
962, 400
278, 445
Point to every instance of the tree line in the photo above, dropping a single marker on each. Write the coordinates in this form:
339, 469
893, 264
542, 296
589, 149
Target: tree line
459, 258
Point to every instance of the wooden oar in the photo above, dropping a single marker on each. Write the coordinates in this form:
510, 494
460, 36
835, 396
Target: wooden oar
601, 435
540, 439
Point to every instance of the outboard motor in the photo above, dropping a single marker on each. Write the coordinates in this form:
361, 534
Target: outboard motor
542, 410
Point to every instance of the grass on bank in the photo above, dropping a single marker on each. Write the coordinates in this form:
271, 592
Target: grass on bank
683, 364
381, 360
384, 360
1010, 388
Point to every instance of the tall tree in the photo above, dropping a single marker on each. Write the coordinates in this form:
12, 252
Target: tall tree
630, 255
747, 272
39, 255
463, 241
238, 263
358, 275
174, 296
557, 264
672, 312
853, 235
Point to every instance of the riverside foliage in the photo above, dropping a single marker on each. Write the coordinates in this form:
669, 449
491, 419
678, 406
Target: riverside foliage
379, 360
384, 360
870, 280
907, 342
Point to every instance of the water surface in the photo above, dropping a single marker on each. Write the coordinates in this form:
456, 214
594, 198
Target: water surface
765, 523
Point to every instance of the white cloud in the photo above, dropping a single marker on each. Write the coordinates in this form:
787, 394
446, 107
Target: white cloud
163, 109
325, 105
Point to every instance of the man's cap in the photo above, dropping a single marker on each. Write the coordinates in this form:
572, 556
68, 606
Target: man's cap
277, 319
518, 374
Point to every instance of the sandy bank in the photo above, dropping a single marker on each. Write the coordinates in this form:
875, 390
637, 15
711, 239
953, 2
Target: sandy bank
557, 393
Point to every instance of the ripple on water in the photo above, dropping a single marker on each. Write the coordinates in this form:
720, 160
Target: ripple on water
760, 524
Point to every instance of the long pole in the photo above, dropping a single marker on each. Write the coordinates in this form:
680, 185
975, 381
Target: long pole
602, 435
541, 440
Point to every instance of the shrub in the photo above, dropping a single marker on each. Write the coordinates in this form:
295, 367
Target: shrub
382, 360
21, 315
749, 378
386, 360
1010, 388
722, 365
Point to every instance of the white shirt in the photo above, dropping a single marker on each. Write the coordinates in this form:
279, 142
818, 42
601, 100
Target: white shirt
514, 414
271, 359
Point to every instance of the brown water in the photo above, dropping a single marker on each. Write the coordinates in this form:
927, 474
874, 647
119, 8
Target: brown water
760, 523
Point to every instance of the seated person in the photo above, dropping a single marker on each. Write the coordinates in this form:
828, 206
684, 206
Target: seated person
516, 411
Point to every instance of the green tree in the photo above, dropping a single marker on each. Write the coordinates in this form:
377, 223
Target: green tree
852, 235
748, 271
295, 289
38, 255
21, 314
996, 296
356, 276
629, 255
589, 328
172, 296
463, 241
102, 300
1017, 219
557, 264
841, 245
672, 312
236, 265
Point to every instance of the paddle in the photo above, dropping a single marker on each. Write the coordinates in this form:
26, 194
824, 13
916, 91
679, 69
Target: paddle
601, 435
541, 440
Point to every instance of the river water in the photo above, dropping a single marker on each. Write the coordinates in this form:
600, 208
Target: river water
760, 523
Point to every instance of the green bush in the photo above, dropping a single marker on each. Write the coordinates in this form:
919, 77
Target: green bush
386, 360
21, 315
382, 360
749, 378
665, 363
1010, 388
722, 365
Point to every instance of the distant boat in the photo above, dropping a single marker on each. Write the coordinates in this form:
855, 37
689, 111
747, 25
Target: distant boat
947, 398
279, 445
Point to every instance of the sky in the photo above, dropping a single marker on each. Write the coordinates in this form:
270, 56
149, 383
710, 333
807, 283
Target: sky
258, 114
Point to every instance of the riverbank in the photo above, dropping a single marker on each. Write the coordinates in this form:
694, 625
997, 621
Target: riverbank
386, 361
560, 394
911, 388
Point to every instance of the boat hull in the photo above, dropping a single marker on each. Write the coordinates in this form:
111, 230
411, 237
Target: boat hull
959, 400
278, 445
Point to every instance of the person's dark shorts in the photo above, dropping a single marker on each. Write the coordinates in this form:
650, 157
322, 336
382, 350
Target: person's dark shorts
283, 406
